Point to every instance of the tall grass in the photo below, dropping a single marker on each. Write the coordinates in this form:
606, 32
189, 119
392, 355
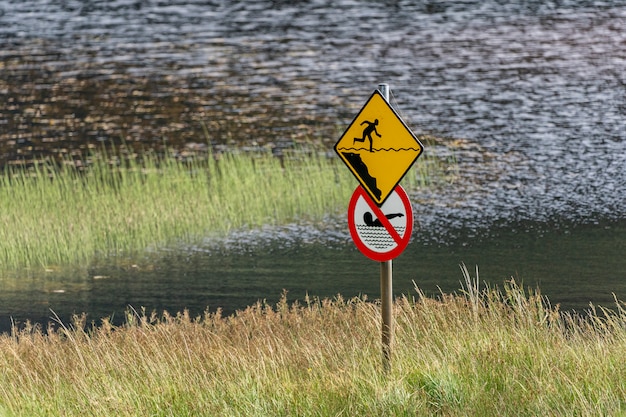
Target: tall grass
51, 215
480, 352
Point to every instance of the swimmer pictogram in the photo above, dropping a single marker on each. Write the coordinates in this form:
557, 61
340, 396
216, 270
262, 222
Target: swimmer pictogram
370, 221
378, 148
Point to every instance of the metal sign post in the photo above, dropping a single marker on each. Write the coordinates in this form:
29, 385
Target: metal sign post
381, 234
386, 298
386, 288
379, 149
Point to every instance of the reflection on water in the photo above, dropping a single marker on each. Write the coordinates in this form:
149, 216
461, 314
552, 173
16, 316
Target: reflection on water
539, 83
571, 266
535, 89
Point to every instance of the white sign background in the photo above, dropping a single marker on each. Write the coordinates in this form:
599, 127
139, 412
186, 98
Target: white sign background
379, 238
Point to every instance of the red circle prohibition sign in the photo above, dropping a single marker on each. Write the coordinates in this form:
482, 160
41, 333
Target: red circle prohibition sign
380, 233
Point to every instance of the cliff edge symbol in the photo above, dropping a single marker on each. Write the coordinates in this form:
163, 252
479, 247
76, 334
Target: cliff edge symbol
355, 161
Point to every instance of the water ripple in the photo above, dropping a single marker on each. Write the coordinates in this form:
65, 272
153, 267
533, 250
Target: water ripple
538, 87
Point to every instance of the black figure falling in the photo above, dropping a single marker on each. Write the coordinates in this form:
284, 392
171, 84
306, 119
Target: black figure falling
367, 132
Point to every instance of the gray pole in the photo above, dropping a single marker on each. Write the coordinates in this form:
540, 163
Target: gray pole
386, 287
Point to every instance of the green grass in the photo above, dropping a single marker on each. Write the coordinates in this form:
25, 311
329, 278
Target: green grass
58, 216
480, 352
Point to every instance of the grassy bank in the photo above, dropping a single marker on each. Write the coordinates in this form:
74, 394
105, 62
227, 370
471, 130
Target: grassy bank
52, 215
480, 352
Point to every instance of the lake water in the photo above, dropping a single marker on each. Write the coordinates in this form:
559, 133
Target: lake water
531, 94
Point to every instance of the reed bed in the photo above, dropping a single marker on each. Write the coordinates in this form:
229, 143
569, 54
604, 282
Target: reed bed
60, 215
51, 215
478, 352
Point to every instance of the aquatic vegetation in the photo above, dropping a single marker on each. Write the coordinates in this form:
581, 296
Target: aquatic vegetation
54, 214
479, 352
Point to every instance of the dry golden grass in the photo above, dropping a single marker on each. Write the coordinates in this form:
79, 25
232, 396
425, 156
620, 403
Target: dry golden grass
484, 352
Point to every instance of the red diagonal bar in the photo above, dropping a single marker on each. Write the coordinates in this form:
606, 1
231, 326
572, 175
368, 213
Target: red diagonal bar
381, 216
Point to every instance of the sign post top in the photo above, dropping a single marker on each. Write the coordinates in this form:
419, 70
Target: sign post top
378, 148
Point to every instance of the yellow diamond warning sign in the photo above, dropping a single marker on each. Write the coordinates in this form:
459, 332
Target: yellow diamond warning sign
378, 148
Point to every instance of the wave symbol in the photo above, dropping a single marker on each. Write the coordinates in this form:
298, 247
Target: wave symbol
396, 150
378, 237
379, 149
